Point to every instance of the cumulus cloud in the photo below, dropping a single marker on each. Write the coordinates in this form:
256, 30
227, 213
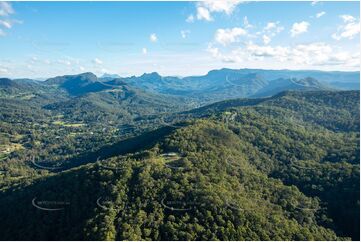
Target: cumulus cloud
320, 14
97, 61
256, 51
299, 28
348, 18
226, 6
273, 27
144, 51
203, 14
309, 55
153, 37
205, 8
227, 36
271, 30
349, 29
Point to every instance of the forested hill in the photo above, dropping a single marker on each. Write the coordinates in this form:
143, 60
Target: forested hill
281, 168
337, 110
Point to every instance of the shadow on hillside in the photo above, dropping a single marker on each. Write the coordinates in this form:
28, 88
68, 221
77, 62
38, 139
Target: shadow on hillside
131, 145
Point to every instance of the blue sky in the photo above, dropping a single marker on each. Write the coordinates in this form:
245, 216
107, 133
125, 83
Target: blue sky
43, 39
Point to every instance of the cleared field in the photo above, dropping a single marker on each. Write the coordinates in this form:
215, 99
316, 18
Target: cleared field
62, 123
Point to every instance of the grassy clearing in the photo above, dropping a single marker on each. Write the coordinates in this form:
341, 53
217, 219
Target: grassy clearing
74, 125
8, 148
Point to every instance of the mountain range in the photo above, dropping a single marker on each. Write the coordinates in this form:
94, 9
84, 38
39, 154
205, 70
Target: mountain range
216, 85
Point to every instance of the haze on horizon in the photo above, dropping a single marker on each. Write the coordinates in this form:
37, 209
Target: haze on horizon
176, 38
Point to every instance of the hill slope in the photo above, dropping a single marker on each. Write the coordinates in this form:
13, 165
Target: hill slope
205, 195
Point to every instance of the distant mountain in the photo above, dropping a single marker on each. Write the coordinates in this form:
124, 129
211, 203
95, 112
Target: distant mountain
78, 84
216, 85
281, 84
322, 76
25, 89
6, 82
109, 76
18, 83
114, 97
225, 83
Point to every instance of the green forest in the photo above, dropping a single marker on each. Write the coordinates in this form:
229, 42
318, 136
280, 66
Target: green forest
121, 164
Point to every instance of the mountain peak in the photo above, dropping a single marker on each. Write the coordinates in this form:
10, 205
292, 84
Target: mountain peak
151, 75
108, 75
87, 76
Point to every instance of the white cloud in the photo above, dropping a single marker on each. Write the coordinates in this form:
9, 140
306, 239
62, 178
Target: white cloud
310, 53
205, 8
6, 23
320, 14
299, 28
190, 19
6, 9
185, 33
274, 27
144, 51
313, 3
97, 61
250, 52
226, 36
226, 6
257, 51
81, 68
213, 50
270, 25
348, 18
271, 30
203, 14
349, 29
322, 54
306, 55
153, 37
266, 39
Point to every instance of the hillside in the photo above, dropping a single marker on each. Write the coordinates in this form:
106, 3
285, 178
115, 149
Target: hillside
212, 193
256, 169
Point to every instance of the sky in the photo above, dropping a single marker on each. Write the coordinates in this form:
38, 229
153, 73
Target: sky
45, 39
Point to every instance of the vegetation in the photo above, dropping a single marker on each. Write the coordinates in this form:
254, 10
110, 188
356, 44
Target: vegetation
119, 164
